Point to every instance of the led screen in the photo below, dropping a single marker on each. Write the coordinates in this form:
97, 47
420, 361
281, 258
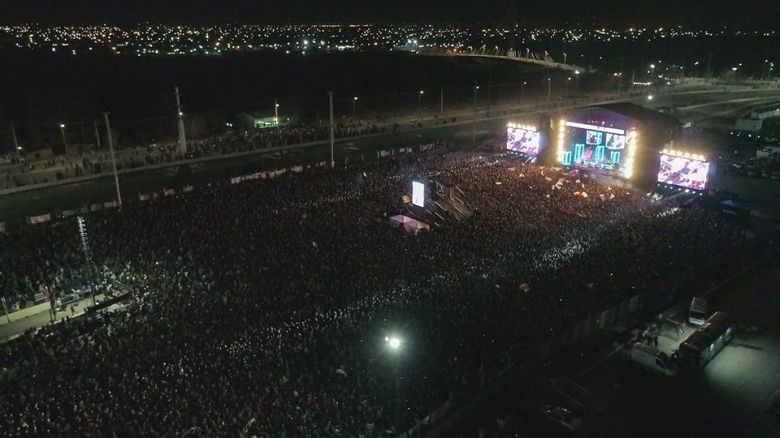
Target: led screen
615, 142
595, 146
593, 138
418, 194
683, 172
522, 140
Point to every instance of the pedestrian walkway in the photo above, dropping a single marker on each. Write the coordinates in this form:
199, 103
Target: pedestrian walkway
38, 316
24, 313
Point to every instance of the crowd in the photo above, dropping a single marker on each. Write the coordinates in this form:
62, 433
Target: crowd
262, 308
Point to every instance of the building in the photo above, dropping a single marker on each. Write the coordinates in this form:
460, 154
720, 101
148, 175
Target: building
754, 122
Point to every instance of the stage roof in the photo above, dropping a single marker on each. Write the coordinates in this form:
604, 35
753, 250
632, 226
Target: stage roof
642, 114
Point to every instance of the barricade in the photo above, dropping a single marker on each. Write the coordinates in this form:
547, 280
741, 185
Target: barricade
39, 219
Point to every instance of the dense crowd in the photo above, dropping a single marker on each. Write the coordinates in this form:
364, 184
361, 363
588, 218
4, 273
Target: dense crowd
262, 308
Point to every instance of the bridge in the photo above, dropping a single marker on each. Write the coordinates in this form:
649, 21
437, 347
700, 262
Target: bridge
527, 56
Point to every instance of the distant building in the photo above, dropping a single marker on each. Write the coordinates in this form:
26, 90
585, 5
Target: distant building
755, 121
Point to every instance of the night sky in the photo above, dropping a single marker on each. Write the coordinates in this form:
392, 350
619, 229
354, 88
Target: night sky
712, 13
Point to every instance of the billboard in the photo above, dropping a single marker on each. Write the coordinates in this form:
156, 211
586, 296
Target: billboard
594, 146
522, 139
685, 171
418, 194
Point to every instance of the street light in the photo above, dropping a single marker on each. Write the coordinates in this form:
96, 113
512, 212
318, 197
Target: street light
549, 88
522, 89
419, 99
649, 97
576, 81
394, 342
276, 112
62, 131
354, 105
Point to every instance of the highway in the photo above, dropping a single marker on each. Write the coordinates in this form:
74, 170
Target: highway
489, 132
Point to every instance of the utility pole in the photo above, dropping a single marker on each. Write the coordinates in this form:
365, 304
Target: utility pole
113, 160
549, 88
441, 99
97, 134
474, 125
332, 134
64, 140
276, 111
522, 90
16, 143
182, 133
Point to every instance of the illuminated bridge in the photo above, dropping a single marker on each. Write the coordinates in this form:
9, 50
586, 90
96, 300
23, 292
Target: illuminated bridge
526, 56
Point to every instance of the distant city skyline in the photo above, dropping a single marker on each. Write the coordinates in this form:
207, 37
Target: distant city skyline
746, 13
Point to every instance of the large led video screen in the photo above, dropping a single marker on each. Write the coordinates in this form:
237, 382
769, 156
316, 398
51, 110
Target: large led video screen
683, 172
522, 140
594, 146
418, 194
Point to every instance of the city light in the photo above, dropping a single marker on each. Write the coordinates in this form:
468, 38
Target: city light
649, 97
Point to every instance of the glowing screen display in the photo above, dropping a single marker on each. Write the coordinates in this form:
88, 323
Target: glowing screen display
596, 146
522, 139
683, 172
418, 194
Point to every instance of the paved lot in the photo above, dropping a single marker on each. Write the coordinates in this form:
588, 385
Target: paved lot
728, 398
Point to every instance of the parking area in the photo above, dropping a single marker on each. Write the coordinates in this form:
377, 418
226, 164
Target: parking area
729, 397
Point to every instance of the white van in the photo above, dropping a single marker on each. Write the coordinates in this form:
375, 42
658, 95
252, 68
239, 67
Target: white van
697, 314
650, 357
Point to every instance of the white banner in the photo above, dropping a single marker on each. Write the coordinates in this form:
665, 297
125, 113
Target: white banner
384, 153
169, 192
111, 204
39, 219
426, 147
144, 197
297, 169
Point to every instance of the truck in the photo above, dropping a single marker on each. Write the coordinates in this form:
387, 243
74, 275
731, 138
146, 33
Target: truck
697, 314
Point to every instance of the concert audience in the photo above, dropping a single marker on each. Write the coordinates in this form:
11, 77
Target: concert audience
261, 308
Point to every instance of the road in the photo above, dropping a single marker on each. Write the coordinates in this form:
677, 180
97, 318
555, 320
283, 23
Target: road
15, 207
